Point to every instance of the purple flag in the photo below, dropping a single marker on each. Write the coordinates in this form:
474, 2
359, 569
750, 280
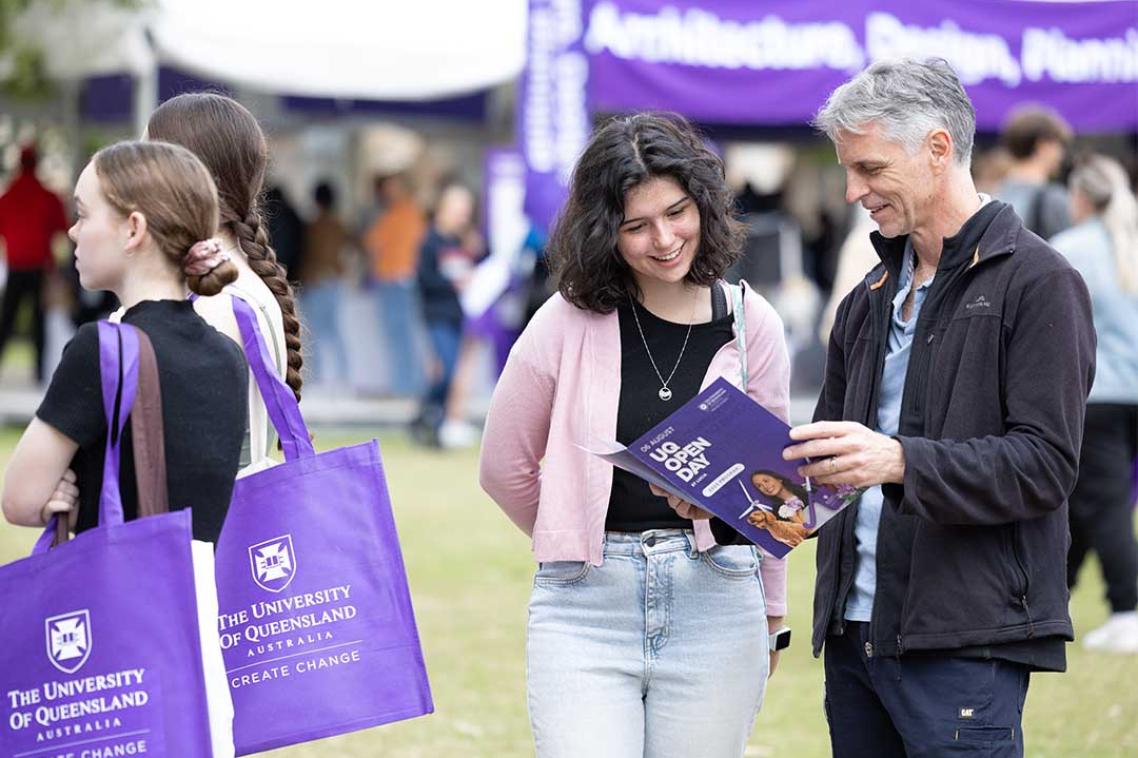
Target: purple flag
553, 117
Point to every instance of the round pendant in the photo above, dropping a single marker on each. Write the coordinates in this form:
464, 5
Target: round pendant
665, 394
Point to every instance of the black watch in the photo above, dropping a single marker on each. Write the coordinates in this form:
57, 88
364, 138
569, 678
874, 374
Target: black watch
780, 640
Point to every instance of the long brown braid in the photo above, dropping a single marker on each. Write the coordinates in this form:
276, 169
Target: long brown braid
254, 240
230, 142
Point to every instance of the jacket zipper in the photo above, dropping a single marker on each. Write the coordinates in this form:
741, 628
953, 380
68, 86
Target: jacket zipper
942, 295
1025, 582
881, 324
842, 590
937, 296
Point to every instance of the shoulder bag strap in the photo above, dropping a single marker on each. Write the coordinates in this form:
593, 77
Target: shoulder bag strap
148, 432
118, 372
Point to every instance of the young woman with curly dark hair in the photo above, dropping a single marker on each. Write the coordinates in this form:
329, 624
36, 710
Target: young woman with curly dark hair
645, 637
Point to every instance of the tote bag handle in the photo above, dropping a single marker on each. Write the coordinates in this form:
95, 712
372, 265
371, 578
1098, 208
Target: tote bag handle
129, 375
280, 401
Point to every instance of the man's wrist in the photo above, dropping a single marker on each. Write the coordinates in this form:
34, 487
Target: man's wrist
898, 474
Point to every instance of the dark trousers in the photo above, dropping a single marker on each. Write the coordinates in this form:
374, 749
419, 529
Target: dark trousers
24, 285
920, 706
446, 339
1102, 514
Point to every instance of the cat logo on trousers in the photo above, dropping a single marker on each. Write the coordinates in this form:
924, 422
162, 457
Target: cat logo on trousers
273, 563
68, 639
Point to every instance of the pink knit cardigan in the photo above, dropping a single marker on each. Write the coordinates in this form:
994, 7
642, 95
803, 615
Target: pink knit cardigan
560, 389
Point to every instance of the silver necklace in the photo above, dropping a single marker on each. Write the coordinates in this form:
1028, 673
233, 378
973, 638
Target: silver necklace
664, 393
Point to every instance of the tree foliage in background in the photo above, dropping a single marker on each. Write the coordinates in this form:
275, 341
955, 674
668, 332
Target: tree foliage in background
23, 71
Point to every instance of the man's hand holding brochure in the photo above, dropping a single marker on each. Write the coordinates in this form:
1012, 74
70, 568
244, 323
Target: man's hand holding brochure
722, 452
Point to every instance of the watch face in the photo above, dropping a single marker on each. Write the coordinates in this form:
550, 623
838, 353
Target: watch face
780, 640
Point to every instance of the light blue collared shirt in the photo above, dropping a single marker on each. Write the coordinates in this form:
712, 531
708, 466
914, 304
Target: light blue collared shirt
859, 605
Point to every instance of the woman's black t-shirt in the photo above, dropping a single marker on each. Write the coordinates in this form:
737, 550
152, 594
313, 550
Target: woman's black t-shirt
204, 383
632, 506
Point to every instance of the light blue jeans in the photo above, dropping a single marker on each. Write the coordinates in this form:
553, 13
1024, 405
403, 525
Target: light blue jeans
659, 652
401, 323
320, 307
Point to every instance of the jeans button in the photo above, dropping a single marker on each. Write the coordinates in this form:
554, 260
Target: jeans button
869, 650
651, 541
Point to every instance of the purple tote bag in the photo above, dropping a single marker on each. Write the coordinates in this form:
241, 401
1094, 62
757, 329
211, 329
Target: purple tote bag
99, 644
316, 623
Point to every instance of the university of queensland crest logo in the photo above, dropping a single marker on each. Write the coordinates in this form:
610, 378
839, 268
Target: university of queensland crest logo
273, 563
68, 638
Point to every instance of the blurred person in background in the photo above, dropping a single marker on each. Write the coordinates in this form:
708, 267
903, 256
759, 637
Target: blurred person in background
1037, 141
393, 241
320, 270
856, 258
1103, 246
989, 169
286, 229
445, 266
32, 217
539, 286
460, 267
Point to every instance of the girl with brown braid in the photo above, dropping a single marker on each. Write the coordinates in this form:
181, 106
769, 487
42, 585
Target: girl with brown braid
230, 142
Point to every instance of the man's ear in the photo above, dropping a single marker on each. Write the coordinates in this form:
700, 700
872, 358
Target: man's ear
940, 148
136, 231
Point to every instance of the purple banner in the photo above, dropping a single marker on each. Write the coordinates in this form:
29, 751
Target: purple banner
553, 120
775, 62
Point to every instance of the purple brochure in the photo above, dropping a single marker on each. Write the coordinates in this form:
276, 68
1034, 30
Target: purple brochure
722, 451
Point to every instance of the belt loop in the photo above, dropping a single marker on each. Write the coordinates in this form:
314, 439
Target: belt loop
693, 548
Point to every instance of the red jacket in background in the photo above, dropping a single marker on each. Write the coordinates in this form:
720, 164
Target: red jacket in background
30, 215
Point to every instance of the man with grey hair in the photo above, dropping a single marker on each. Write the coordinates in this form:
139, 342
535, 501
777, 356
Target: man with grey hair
956, 383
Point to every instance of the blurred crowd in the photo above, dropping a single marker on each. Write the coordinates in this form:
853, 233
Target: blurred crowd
388, 281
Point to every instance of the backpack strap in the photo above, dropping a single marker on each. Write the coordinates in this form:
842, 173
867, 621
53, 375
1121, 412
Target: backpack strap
718, 300
740, 334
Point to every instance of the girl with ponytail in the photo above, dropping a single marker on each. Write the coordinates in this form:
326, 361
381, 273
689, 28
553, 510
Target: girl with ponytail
229, 141
1103, 246
147, 217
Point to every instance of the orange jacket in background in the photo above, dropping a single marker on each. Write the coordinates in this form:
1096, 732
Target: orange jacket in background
393, 241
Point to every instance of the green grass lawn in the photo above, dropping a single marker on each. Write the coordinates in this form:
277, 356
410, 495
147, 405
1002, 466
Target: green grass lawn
471, 571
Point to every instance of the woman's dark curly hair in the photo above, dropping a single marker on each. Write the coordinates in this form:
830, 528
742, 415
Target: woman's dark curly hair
624, 153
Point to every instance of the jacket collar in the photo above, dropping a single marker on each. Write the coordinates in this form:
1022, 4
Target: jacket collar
990, 232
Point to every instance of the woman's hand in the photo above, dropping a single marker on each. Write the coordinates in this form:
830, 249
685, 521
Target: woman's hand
64, 500
36, 469
683, 508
